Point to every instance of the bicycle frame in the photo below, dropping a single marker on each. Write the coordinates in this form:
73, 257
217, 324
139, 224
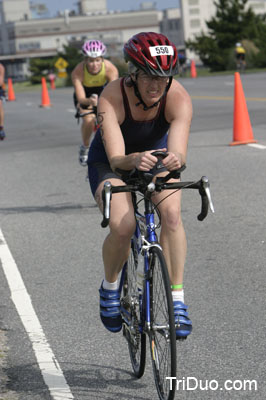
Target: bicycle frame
145, 238
141, 302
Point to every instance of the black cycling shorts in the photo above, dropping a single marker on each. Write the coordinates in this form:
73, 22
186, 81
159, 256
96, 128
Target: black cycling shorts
99, 172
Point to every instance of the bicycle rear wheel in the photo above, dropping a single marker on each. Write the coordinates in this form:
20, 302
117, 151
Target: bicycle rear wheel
130, 310
162, 335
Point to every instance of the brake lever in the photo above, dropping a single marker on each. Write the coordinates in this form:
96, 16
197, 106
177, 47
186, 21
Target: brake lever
106, 197
206, 200
206, 187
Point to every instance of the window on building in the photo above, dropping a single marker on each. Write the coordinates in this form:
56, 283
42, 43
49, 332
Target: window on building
194, 23
29, 46
51, 29
11, 34
258, 5
193, 2
194, 11
19, 67
172, 25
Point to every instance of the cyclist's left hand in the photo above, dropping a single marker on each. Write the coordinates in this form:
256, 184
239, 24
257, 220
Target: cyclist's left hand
172, 161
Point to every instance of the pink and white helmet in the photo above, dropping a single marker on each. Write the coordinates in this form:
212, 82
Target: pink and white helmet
93, 48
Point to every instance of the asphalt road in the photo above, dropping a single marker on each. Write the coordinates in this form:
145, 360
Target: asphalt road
52, 229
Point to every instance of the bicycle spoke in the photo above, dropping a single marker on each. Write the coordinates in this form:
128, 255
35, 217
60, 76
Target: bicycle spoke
160, 312
130, 310
162, 339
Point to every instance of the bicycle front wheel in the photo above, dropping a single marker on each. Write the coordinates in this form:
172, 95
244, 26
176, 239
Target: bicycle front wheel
162, 335
131, 310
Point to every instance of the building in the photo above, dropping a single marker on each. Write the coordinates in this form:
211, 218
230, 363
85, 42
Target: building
195, 13
15, 10
23, 38
171, 26
91, 6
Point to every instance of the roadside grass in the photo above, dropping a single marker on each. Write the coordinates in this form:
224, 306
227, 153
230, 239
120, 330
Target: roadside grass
20, 87
204, 72
61, 82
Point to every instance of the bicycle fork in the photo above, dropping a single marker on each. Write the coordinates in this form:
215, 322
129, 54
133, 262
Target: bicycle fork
145, 229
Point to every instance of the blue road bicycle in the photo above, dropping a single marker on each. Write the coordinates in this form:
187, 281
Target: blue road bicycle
147, 304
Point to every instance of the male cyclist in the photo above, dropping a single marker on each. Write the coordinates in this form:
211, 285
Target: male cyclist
182, 62
89, 78
2, 98
143, 112
240, 54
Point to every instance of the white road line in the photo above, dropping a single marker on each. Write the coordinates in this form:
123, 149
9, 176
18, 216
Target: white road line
257, 146
50, 369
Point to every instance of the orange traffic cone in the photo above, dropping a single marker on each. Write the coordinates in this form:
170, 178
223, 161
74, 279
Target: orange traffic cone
45, 94
11, 93
193, 70
242, 129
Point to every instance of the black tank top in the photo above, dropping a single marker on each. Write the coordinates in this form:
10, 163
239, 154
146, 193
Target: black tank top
138, 135
143, 135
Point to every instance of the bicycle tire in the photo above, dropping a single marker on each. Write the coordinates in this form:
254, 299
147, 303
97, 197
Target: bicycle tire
242, 67
162, 334
130, 306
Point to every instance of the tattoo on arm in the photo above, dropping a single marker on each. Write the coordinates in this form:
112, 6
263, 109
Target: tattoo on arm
100, 119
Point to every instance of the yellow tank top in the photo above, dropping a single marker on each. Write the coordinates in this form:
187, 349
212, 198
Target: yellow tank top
90, 80
240, 50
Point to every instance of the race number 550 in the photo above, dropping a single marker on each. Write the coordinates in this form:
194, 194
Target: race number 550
161, 51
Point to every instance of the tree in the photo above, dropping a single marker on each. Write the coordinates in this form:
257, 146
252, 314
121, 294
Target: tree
40, 67
73, 56
233, 22
260, 42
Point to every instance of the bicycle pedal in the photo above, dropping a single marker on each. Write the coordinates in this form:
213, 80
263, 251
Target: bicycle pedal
124, 330
181, 339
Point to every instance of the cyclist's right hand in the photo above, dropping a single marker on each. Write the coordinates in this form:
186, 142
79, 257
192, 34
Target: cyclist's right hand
94, 100
145, 161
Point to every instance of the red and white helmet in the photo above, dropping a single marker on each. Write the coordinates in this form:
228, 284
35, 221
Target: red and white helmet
153, 53
93, 49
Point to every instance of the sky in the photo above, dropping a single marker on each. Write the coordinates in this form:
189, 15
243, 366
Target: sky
123, 5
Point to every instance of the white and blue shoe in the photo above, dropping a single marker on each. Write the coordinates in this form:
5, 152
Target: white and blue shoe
182, 322
110, 309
